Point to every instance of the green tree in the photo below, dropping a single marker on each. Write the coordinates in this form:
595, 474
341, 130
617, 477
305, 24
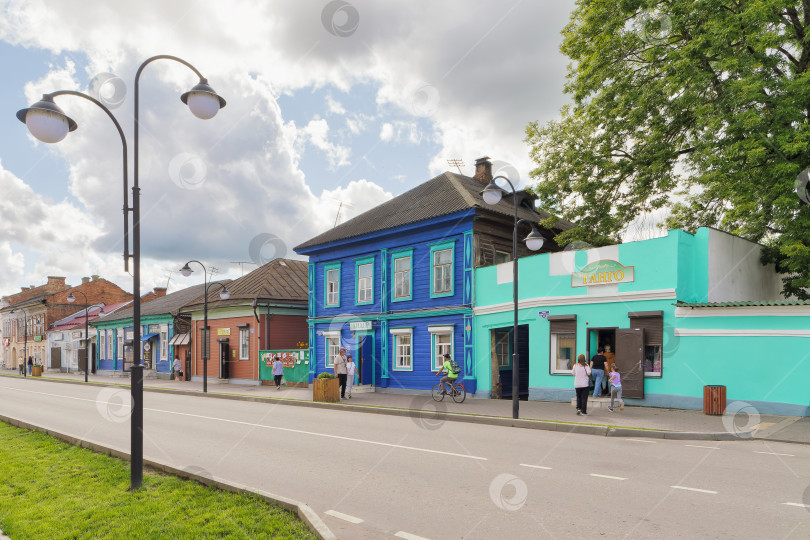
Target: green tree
694, 110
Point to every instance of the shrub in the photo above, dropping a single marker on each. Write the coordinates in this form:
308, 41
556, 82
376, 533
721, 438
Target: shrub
326, 375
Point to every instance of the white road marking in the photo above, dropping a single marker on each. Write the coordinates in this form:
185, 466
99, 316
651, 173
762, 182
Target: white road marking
303, 432
608, 477
699, 446
773, 453
800, 505
344, 517
694, 489
535, 466
409, 536
642, 440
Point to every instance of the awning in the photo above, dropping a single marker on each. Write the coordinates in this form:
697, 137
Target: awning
148, 337
180, 339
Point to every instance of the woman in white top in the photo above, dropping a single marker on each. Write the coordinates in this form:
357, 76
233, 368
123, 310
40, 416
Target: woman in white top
581, 372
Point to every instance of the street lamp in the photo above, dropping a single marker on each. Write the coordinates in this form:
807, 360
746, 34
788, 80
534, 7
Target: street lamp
72, 299
25, 339
492, 195
223, 294
48, 123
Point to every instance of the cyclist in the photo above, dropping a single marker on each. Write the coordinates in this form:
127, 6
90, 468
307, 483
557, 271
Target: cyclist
450, 379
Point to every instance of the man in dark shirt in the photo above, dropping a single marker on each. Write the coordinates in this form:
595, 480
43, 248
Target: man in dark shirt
598, 369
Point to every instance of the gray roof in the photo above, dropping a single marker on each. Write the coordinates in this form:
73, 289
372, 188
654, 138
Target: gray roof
760, 303
280, 280
445, 194
166, 305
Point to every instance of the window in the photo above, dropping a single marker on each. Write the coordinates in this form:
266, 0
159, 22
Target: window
502, 257
164, 342
402, 277
403, 352
442, 338
332, 347
332, 289
365, 281
503, 344
120, 345
244, 343
653, 324
441, 256
109, 355
563, 346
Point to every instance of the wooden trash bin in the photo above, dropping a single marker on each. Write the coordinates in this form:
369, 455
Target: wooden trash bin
714, 400
326, 390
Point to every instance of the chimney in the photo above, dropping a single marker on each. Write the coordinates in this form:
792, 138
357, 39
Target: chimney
85, 280
23, 289
160, 292
95, 277
56, 280
483, 170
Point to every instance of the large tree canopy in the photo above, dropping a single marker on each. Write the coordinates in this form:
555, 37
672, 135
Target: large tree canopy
696, 110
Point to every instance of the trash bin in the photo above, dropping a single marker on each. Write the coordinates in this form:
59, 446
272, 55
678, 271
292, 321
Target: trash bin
714, 399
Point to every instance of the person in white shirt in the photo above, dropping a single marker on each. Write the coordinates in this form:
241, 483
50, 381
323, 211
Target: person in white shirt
177, 367
581, 372
351, 369
340, 371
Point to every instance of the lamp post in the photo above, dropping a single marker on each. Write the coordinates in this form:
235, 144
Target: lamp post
48, 123
87, 360
223, 294
534, 241
25, 339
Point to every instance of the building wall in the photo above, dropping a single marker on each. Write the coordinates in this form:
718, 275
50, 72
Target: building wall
287, 332
735, 273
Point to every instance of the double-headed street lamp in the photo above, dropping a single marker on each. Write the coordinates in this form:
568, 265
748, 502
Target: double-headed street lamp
492, 195
48, 123
25, 339
224, 295
72, 299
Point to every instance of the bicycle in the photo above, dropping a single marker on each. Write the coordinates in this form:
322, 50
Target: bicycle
457, 392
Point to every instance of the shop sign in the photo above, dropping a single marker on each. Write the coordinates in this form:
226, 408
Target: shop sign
130, 334
76, 334
359, 325
154, 329
37, 338
603, 273
224, 332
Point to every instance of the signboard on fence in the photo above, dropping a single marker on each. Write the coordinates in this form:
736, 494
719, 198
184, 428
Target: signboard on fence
296, 365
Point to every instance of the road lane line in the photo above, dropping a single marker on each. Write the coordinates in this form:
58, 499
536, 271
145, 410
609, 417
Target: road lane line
773, 453
344, 517
642, 440
366, 441
699, 446
608, 477
535, 466
409, 536
695, 489
800, 505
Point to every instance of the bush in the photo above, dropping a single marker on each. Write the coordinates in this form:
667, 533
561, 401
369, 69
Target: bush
325, 375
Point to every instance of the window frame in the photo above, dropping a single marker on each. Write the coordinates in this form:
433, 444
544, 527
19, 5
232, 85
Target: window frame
244, 343
396, 255
437, 247
329, 359
357, 264
508, 335
396, 335
447, 330
555, 343
326, 269
500, 252
569, 322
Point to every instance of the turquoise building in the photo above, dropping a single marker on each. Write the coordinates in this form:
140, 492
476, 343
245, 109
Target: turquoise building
675, 313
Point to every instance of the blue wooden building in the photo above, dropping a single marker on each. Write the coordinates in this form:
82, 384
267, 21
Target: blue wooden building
394, 285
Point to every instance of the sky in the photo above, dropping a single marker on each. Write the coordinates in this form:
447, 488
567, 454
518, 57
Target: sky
333, 107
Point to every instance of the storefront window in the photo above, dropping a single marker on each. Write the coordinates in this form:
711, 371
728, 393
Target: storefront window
244, 343
652, 360
563, 347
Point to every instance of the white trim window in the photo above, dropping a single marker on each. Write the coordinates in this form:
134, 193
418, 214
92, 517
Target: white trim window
442, 271
120, 345
364, 282
332, 286
441, 344
402, 349
332, 347
109, 354
164, 343
563, 349
244, 343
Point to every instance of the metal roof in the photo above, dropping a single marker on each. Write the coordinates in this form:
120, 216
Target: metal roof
743, 304
166, 305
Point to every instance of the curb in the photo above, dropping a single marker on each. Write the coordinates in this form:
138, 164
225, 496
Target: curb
545, 425
303, 511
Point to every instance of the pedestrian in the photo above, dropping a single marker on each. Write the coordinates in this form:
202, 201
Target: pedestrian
278, 371
340, 371
177, 367
351, 369
598, 369
581, 372
615, 387
30, 364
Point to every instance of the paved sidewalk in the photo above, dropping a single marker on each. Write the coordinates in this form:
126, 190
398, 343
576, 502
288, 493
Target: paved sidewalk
770, 427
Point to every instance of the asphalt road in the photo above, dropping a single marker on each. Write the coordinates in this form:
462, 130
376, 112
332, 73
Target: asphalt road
378, 476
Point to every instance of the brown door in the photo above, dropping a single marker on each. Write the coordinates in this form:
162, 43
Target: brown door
56, 357
82, 359
630, 361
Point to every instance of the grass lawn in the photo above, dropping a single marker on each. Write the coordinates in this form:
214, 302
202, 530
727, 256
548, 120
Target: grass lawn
50, 489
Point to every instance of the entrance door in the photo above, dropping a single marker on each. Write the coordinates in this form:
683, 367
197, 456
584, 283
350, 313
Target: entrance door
56, 357
630, 361
224, 352
82, 360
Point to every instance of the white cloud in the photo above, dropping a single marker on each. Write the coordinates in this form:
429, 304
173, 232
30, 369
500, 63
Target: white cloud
334, 106
317, 133
387, 132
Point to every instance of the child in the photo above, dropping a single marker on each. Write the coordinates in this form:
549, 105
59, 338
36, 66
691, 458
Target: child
351, 367
615, 387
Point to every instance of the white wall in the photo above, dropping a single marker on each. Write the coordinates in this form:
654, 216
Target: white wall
735, 273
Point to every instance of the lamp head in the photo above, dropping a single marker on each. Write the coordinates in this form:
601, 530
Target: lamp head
535, 240
224, 294
71, 298
203, 101
492, 193
46, 121
186, 270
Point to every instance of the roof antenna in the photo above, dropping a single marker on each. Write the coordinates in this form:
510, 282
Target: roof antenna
457, 163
